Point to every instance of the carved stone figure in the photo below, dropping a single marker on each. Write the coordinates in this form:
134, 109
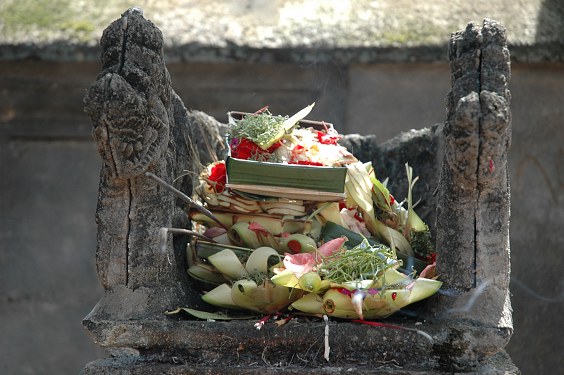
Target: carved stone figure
141, 125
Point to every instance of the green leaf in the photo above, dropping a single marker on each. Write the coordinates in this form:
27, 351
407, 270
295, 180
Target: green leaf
316, 178
381, 195
414, 222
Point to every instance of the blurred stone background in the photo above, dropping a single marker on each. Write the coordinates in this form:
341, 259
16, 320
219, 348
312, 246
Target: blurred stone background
373, 67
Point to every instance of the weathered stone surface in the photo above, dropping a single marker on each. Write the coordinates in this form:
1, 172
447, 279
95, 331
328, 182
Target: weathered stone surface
419, 345
473, 201
500, 364
140, 125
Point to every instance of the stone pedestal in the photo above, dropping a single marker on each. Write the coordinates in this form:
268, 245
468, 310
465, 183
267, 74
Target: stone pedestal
141, 125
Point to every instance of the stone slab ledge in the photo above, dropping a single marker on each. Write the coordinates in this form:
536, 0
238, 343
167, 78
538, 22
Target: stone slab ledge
340, 32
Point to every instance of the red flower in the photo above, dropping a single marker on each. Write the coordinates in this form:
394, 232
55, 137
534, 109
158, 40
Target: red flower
218, 177
307, 162
246, 149
296, 153
358, 217
329, 138
431, 258
273, 148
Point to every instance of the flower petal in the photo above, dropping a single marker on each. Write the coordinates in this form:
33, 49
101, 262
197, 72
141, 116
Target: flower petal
300, 263
332, 247
429, 272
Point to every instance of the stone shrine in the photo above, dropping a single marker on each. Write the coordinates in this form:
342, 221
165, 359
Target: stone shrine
141, 125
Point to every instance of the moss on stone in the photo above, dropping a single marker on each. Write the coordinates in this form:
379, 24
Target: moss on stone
78, 26
25, 13
311, 26
54, 19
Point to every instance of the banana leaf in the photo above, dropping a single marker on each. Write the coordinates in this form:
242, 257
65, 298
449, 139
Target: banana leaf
263, 177
205, 249
208, 315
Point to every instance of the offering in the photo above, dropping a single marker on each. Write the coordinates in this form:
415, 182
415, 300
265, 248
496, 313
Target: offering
295, 223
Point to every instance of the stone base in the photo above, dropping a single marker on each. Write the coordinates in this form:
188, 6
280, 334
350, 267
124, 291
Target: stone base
498, 364
172, 345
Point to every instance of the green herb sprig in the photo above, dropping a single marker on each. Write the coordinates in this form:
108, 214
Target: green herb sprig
260, 128
359, 263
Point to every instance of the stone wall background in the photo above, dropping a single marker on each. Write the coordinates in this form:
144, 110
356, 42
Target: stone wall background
49, 168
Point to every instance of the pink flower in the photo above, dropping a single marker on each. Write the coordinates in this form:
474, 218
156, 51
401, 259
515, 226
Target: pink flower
429, 272
330, 248
300, 263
